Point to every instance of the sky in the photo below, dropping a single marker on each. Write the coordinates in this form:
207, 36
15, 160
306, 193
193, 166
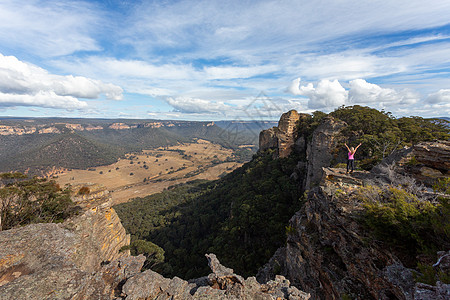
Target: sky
219, 60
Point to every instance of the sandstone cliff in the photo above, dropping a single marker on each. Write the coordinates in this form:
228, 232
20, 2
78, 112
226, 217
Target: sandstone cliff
57, 261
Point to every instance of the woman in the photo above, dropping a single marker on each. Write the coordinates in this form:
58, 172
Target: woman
351, 157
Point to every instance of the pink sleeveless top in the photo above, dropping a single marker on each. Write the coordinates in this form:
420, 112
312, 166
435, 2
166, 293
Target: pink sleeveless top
351, 155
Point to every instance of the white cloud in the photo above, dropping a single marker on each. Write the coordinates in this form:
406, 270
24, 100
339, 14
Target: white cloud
229, 51
42, 99
49, 27
327, 94
259, 108
192, 105
83, 87
214, 73
22, 83
363, 92
441, 96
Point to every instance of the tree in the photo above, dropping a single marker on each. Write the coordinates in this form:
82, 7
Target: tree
33, 200
153, 253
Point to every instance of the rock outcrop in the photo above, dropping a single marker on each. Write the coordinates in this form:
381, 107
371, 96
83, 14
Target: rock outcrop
60, 261
328, 253
434, 154
319, 151
325, 253
283, 137
221, 284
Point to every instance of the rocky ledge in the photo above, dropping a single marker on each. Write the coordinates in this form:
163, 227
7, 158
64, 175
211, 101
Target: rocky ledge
221, 284
329, 254
59, 261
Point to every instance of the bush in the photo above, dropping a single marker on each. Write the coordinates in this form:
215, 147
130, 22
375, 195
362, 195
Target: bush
442, 185
404, 222
34, 201
429, 275
84, 191
153, 253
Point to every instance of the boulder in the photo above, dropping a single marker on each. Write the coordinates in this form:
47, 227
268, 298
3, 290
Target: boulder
435, 155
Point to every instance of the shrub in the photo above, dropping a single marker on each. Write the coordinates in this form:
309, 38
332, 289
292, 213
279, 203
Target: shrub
401, 220
84, 191
34, 201
429, 275
153, 253
442, 185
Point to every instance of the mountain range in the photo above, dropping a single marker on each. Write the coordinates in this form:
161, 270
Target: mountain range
38, 144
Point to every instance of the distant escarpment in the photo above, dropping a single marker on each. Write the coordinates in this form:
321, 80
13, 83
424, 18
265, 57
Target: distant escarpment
379, 233
39, 146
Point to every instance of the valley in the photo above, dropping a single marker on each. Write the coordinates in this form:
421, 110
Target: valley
152, 171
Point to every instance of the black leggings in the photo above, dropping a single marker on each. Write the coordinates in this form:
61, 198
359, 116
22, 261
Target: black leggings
350, 164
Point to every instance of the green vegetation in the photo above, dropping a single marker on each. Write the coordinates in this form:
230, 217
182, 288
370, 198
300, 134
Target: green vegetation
309, 123
409, 225
153, 253
429, 275
242, 218
442, 185
24, 201
84, 190
381, 134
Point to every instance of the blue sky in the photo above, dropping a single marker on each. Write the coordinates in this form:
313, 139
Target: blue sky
214, 60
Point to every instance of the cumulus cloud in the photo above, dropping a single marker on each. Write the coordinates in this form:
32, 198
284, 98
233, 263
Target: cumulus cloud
363, 92
25, 84
331, 94
441, 96
326, 94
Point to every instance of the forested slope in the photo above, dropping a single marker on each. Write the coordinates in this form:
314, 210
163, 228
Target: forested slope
241, 218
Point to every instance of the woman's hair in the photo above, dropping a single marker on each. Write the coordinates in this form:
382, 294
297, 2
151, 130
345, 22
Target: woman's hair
352, 150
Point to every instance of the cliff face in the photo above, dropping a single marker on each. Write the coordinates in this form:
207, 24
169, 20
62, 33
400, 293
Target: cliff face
319, 150
60, 259
330, 255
